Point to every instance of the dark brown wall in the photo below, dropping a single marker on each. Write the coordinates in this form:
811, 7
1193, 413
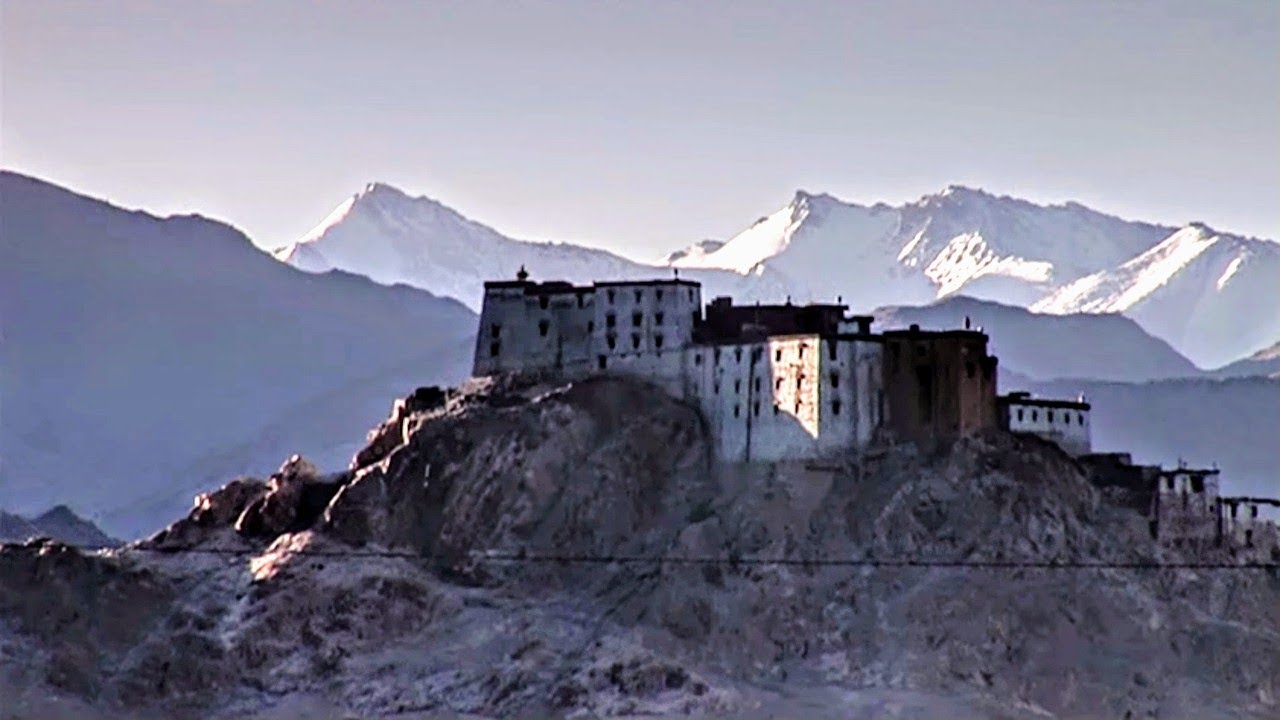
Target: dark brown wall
938, 385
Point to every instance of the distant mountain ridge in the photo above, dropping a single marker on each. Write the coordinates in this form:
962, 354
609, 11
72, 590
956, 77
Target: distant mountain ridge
59, 523
146, 359
1198, 290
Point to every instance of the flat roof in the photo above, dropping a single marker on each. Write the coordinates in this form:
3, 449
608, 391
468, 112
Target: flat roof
929, 334
665, 281
1019, 399
1189, 471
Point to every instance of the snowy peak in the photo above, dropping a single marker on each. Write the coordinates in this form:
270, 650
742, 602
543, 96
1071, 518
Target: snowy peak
1211, 294
391, 237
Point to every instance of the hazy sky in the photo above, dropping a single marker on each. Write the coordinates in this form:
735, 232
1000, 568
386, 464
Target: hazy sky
644, 126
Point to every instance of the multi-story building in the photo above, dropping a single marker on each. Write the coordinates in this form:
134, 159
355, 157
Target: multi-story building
774, 382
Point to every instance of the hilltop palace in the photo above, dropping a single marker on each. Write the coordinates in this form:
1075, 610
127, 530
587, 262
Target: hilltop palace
811, 382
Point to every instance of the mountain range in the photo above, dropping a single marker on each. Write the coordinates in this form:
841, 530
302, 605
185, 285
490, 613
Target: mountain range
1213, 296
147, 359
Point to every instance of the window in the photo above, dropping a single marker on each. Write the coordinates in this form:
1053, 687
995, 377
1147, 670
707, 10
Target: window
658, 294
610, 294
613, 342
657, 340
776, 409
635, 341
717, 356
797, 407
610, 320
1197, 483
835, 380
1080, 418
603, 362
690, 296
831, 350
657, 318
737, 386
802, 348
737, 355
1035, 416
756, 386
697, 358
1253, 511
777, 384
1050, 414
835, 407
543, 327
716, 388
1019, 414
777, 355
736, 412
1169, 483
494, 349
636, 319
591, 326
495, 331
799, 382
639, 295
755, 409
544, 301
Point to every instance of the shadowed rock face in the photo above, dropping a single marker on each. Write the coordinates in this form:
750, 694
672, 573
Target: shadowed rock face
418, 621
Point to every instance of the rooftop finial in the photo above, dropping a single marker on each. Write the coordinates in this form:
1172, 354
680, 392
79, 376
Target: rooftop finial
676, 271
966, 322
523, 274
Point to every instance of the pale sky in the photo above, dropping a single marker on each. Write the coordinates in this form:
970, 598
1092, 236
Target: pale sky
644, 126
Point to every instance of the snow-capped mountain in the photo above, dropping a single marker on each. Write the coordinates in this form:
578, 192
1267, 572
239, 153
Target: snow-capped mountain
1215, 295
388, 236
958, 240
1056, 259
145, 359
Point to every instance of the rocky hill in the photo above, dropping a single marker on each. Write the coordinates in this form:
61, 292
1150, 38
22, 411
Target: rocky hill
572, 551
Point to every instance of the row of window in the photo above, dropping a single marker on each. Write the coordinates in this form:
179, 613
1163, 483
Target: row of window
836, 405
658, 293
544, 301
1051, 417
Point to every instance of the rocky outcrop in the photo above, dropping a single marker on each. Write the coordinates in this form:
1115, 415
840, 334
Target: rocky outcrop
572, 550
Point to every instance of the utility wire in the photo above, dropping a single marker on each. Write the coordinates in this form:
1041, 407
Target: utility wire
517, 558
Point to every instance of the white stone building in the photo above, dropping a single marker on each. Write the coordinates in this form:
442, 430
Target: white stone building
774, 382
1064, 422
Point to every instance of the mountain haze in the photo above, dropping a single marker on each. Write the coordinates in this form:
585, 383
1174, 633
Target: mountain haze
146, 359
